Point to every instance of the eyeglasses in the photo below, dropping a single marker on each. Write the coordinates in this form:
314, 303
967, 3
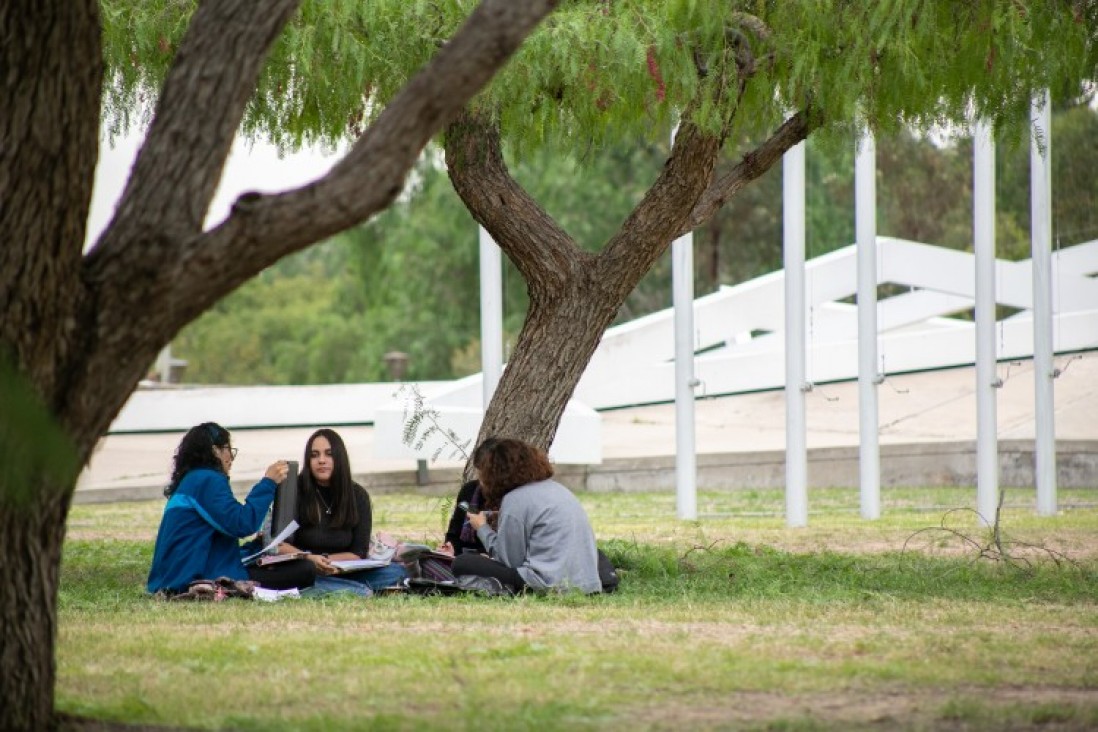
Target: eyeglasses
232, 450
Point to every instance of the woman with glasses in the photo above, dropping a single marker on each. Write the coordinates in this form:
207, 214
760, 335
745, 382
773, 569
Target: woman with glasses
336, 519
200, 531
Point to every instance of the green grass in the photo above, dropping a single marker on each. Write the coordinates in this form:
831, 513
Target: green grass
731, 622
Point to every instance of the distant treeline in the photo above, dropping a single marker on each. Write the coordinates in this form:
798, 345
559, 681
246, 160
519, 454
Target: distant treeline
408, 280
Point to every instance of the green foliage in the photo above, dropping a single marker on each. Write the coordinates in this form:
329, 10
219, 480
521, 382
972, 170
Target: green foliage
290, 325
585, 109
35, 454
598, 72
1074, 182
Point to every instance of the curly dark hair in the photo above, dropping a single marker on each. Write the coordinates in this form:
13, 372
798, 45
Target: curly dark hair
196, 451
506, 464
344, 507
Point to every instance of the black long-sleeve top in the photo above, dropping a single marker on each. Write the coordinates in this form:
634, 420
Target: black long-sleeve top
323, 539
457, 520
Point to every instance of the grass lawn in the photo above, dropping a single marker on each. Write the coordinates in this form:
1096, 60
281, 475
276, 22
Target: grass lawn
730, 622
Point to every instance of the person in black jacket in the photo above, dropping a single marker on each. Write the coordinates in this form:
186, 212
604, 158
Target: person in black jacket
460, 536
335, 516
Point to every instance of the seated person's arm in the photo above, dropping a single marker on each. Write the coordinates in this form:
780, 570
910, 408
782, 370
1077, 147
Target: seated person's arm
220, 507
485, 533
287, 548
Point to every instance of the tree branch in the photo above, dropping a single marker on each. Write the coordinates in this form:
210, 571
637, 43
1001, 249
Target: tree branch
661, 214
263, 228
211, 79
795, 130
539, 248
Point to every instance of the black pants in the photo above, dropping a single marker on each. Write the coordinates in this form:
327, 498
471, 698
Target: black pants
478, 564
283, 576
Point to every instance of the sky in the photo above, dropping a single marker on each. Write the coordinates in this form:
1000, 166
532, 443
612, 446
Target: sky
252, 166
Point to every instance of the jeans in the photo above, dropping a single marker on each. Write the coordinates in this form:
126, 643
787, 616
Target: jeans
364, 583
325, 585
378, 578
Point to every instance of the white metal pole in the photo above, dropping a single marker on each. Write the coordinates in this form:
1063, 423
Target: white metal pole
987, 445
793, 242
682, 279
865, 226
164, 364
491, 315
682, 299
1040, 174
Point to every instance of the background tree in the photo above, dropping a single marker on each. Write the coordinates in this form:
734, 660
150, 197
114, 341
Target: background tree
81, 329
379, 282
719, 71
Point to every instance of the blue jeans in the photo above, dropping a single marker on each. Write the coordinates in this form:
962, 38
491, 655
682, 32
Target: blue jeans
380, 577
363, 583
325, 585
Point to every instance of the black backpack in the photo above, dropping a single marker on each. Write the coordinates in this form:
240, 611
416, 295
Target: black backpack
607, 574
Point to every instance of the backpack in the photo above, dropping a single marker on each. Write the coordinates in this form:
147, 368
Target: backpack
607, 574
466, 584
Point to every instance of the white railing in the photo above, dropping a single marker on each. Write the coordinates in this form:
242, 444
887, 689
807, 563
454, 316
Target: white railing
738, 344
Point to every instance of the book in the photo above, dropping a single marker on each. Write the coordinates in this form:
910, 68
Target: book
354, 565
268, 559
284, 508
271, 548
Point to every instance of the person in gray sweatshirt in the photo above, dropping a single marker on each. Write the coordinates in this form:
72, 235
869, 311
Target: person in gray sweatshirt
542, 539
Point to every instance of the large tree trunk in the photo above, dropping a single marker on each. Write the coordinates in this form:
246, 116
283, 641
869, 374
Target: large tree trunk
83, 329
48, 134
30, 540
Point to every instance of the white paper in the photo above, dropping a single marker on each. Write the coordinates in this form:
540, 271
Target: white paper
262, 593
349, 565
282, 536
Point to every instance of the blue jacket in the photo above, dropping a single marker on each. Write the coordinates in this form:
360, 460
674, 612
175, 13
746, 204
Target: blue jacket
201, 527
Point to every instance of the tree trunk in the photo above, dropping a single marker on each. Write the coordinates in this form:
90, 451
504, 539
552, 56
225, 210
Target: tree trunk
574, 295
48, 150
30, 542
558, 337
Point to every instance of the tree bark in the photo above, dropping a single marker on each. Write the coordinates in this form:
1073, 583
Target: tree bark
83, 329
31, 544
51, 83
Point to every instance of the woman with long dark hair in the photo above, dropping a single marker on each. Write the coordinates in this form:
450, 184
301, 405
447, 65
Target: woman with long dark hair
543, 539
335, 517
200, 531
